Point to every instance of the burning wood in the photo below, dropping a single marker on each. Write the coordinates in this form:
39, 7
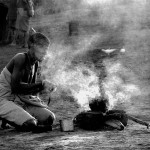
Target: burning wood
100, 116
95, 84
116, 124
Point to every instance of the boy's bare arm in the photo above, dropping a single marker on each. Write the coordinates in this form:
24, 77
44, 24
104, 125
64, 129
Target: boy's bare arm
19, 87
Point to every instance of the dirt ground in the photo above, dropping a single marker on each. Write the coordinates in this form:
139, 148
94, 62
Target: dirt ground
130, 29
133, 137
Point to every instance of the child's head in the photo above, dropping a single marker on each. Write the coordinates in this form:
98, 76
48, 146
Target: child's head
38, 45
38, 38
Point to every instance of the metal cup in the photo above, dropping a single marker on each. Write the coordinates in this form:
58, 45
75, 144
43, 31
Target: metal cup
66, 125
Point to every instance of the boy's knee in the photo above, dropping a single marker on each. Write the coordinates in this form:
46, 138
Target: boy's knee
29, 124
50, 119
53, 116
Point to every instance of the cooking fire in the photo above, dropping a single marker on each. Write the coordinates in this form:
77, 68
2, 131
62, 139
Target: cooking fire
98, 83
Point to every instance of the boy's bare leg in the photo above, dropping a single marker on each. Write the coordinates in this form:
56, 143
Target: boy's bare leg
45, 118
16, 33
26, 36
10, 33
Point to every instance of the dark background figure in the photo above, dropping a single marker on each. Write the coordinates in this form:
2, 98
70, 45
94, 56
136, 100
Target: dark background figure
11, 20
3, 24
25, 11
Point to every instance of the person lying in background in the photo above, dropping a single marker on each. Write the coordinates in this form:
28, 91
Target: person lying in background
18, 104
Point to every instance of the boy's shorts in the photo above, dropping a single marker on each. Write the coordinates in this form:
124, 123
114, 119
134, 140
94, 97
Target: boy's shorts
18, 115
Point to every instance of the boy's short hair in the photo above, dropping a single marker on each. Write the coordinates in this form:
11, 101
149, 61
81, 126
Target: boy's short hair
38, 39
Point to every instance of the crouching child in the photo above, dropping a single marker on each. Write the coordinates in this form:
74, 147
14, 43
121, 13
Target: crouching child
19, 105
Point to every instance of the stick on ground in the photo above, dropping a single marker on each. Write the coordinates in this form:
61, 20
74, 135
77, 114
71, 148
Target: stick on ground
139, 121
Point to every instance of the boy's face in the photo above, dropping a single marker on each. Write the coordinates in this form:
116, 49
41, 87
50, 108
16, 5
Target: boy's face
40, 52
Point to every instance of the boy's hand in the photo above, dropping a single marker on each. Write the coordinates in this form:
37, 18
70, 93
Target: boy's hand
48, 86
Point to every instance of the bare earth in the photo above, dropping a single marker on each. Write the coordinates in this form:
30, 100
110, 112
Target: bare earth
133, 137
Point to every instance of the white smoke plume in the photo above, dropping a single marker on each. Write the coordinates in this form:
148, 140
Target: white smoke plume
120, 85
125, 22
77, 80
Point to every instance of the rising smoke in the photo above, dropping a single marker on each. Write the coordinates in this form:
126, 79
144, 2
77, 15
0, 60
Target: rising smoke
104, 23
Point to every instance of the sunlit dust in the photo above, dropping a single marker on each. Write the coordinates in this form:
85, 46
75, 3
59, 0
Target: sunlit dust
82, 82
91, 2
79, 82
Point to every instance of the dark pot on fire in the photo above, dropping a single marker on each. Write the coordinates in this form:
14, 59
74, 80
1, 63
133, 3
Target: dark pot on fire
100, 117
99, 104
